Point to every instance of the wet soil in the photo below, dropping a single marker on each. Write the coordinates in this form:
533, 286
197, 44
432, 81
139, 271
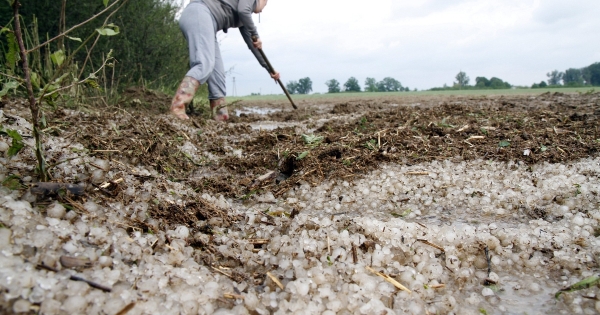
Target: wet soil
352, 137
331, 139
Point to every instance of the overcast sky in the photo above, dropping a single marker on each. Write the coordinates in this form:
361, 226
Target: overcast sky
422, 44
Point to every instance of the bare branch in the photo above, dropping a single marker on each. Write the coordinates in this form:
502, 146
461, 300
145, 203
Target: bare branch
97, 38
73, 28
90, 76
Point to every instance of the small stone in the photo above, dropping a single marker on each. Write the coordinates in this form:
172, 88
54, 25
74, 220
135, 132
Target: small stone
21, 306
487, 292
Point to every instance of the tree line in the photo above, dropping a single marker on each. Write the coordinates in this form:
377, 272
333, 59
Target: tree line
572, 77
481, 83
388, 84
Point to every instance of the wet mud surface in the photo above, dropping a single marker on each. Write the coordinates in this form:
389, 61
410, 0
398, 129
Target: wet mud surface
348, 138
329, 139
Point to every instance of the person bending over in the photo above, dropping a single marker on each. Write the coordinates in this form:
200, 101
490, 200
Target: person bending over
199, 22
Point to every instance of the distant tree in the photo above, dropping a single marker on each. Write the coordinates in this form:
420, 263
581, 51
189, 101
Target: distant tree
535, 86
592, 74
482, 82
292, 87
496, 83
304, 86
493, 83
389, 85
554, 77
462, 79
352, 85
333, 86
543, 84
573, 77
370, 85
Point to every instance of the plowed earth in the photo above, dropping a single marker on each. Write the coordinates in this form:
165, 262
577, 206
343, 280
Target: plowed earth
346, 139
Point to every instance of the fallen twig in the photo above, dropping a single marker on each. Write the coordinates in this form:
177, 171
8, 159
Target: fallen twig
431, 244
463, 128
76, 278
222, 272
489, 262
475, 138
126, 309
258, 241
389, 279
233, 296
277, 282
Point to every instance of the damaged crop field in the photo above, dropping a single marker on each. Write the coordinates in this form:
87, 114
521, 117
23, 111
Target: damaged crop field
358, 205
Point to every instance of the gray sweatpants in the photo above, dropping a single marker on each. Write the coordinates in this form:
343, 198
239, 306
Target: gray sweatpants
200, 29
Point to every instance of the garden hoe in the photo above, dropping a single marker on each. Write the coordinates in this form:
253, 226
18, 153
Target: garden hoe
271, 70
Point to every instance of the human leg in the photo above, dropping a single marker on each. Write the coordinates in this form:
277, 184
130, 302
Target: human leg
219, 110
184, 95
217, 89
198, 27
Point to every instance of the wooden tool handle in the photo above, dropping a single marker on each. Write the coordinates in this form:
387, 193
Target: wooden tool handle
272, 71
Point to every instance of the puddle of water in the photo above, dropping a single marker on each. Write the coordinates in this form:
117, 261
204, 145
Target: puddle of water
271, 125
256, 110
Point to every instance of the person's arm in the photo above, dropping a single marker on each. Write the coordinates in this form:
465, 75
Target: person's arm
245, 9
248, 39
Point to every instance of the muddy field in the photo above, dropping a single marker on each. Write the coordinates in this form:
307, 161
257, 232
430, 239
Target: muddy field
228, 202
350, 137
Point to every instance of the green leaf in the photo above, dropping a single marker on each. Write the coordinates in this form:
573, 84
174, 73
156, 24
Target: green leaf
583, 284
302, 155
371, 144
12, 182
543, 148
8, 86
105, 3
109, 30
58, 57
93, 84
77, 39
504, 144
402, 215
35, 80
312, 139
17, 142
12, 55
43, 122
